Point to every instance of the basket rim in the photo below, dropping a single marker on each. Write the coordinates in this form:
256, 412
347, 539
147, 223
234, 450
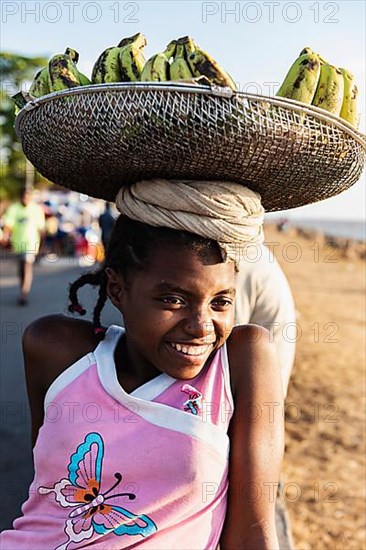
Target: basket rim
281, 130
212, 90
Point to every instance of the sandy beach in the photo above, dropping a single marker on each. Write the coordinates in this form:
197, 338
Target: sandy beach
324, 466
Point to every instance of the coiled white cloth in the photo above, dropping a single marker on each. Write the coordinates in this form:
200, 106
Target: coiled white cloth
226, 212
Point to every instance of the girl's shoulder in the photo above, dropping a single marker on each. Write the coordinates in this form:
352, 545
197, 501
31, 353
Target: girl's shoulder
252, 357
247, 337
53, 343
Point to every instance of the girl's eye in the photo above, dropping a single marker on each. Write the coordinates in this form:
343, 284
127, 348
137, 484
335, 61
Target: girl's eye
172, 300
222, 303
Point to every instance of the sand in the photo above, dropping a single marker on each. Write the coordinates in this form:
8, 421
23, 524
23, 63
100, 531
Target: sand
324, 465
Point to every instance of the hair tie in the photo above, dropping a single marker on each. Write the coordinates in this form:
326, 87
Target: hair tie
99, 330
76, 308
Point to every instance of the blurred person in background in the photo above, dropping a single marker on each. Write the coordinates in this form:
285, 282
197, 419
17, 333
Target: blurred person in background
106, 223
24, 225
51, 228
69, 223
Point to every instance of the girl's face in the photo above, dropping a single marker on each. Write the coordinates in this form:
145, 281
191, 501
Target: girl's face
177, 312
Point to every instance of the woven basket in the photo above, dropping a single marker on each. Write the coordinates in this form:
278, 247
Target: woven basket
94, 139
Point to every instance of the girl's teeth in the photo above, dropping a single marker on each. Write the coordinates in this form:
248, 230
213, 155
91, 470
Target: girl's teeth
190, 350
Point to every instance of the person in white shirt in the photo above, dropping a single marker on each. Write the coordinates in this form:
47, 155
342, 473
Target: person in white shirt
24, 227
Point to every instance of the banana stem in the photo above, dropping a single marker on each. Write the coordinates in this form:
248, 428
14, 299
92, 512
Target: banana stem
188, 43
170, 49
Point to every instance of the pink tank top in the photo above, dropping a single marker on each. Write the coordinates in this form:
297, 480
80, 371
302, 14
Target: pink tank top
115, 470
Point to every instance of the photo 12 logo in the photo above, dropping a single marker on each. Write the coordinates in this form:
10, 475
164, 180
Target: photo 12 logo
270, 12
70, 12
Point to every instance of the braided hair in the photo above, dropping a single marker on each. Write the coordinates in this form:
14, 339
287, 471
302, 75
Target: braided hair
130, 249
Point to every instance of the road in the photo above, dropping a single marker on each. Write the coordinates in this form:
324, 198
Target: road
49, 295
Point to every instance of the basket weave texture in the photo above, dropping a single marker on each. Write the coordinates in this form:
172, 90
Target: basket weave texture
95, 139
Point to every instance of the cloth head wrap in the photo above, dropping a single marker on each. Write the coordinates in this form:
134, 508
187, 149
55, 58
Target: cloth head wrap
226, 212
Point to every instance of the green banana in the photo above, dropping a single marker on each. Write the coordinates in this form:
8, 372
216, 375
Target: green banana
131, 58
302, 79
62, 73
131, 62
201, 63
41, 84
120, 63
84, 80
157, 68
349, 109
329, 93
179, 69
308, 50
106, 67
190, 48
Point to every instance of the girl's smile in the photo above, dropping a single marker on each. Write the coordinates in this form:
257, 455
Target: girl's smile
189, 354
177, 312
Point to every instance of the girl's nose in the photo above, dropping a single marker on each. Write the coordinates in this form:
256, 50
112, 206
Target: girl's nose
199, 326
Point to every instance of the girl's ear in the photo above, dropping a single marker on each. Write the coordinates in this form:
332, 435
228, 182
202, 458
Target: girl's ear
115, 287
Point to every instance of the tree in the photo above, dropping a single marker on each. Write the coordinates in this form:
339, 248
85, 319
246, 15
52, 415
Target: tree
16, 72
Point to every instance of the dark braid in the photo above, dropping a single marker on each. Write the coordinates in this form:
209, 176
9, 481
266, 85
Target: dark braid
97, 278
75, 306
129, 250
102, 298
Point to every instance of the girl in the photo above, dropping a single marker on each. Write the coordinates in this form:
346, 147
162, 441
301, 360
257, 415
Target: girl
167, 434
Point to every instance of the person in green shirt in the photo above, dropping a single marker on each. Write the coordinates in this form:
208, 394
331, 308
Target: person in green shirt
24, 224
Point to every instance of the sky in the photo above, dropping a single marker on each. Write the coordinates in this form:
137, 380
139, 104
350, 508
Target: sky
255, 41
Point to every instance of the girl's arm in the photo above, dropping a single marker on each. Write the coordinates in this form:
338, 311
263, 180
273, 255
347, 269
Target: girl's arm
256, 441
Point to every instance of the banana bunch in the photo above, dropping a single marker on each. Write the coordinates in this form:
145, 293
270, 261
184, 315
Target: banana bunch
184, 60
122, 63
60, 74
312, 80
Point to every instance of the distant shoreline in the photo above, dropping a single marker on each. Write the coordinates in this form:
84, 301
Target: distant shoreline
347, 248
349, 229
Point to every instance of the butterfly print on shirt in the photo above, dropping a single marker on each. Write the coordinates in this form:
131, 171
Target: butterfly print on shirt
91, 513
